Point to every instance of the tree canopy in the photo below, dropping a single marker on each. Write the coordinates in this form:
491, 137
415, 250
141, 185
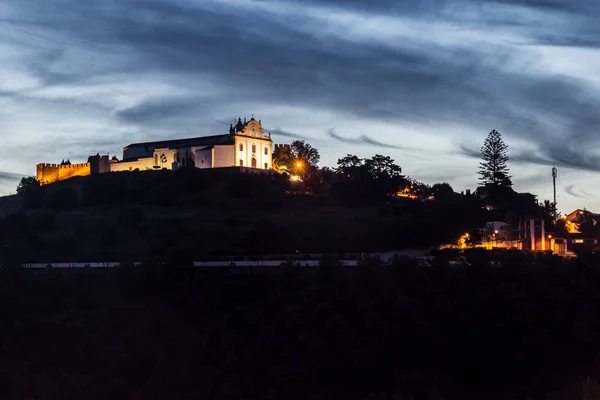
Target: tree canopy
304, 152
493, 170
27, 183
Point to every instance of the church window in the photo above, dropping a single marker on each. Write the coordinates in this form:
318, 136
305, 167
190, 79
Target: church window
156, 159
266, 151
266, 165
241, 163
241, 147
254, 163
254, 148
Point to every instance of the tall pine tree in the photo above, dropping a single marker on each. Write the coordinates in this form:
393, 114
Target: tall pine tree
493, 170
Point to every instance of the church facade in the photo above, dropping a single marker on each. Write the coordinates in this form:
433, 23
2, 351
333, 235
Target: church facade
246, 145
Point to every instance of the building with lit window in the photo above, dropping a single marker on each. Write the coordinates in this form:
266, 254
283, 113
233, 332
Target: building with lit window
246, 145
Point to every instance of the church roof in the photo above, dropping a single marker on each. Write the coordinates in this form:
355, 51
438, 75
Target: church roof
189, 142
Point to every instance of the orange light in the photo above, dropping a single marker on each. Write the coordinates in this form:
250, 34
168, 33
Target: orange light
549, 236
496, 232
299, 165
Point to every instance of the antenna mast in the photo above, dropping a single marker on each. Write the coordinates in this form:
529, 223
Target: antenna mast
554, 175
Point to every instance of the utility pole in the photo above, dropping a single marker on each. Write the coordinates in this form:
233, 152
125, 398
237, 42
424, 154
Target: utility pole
554, 175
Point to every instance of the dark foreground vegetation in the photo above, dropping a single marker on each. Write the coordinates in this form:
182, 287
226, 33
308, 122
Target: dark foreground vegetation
526, 330
194, 214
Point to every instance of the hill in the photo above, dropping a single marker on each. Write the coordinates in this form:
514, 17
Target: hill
207, 213
10, 204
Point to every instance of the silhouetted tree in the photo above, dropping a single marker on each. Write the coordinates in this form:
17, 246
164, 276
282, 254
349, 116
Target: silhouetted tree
283, 159
305, 153
27, 183
30, 189
367, 179
439, 190
493, 168
586, 223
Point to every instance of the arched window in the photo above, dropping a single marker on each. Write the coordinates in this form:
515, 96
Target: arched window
253, 148
253, 162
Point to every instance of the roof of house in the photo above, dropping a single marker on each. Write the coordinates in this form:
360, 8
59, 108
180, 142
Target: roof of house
188, 142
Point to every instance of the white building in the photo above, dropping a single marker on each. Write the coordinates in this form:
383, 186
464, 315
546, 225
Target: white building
246, 145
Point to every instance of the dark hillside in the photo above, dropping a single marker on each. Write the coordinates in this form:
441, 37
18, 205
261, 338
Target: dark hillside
204, 213
525, 331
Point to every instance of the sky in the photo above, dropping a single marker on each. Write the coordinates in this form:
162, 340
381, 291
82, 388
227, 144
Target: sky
420, 81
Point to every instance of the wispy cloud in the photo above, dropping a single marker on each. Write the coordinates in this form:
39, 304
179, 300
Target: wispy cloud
364, 140
107, 73
581, 194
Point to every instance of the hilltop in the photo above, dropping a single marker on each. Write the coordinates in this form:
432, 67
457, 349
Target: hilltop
199, 214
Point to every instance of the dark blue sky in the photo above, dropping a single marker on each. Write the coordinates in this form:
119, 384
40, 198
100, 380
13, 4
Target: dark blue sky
421, 81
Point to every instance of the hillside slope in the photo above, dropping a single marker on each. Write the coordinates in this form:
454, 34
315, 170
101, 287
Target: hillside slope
198, 214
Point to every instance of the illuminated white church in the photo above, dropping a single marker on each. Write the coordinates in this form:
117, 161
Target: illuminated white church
246, 145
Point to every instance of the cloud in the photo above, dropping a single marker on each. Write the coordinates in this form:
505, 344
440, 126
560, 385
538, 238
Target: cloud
9, 177
112, 72
280, 132
570, 189
363, 139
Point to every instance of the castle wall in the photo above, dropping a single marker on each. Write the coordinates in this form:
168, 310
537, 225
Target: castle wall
142, 164
50, 173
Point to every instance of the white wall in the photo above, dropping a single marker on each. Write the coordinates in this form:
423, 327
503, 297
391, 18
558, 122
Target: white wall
142, 164
223, 156
203, 158
245, 154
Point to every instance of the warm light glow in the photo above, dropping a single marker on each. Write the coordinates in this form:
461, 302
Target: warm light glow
299, 165
549, 236
466, 234
496, 232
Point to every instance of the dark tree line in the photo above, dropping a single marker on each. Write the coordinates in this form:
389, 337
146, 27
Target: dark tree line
494, 326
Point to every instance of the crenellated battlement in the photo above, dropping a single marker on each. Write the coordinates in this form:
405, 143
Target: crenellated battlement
50, 173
